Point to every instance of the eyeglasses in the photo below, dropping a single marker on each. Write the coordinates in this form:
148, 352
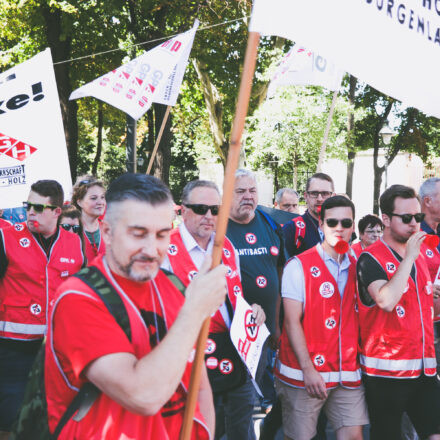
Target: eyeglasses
84, 182
345, 222
406, 218
203, 209
316, 194
373, 231
68, 227
38, 207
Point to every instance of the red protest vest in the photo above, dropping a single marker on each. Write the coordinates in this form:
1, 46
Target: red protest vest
357, 248
432, 257
330, 325
184, 267
4, 223
300, 231
106, 419
31, 279
400, 343
91, 249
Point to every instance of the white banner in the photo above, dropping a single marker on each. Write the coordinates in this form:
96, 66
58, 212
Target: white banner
155, 76
301, 66
32, 142
246, 336
394, 46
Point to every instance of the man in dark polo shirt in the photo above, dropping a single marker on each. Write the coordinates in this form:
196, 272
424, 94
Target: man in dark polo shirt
259, 244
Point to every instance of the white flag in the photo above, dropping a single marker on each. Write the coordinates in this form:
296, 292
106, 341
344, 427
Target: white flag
393, 46
301, 66
32, 141
155, 76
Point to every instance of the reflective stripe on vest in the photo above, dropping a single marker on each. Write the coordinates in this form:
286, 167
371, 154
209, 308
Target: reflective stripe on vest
329, 376
397, 365
22, 329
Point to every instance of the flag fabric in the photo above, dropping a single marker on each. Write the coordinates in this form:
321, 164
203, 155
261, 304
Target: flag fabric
301, 66
32, 141
155, 76
393, 46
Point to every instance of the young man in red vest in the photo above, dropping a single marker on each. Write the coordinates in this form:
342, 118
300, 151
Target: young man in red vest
396, 309
317, 365
144, 380
35, 258
190, 243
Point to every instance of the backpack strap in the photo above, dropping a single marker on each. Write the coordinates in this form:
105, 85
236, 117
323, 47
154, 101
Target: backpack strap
275, 226
87, 395
175, 280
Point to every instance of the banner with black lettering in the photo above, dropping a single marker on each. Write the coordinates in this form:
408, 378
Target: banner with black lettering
32, 142
155, 76
393, 45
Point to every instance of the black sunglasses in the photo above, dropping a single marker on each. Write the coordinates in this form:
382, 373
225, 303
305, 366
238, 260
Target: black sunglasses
203, 209
38, 207
68, 227
406, 218
345, 222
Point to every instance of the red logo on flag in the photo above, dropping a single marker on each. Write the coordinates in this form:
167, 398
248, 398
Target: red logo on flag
15, 148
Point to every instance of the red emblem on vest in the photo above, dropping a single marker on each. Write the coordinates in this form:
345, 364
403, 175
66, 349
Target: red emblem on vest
210, 346
251, 238
226, 366
319, 360
192, 274
300, 224
428, 288
35, 309
25, 242
274, 251
429, 253
261, 281
18, 227
211, 363
330, 323
326, 289
172, 249
391, 267
315, 271
400, 311
226, 253
237, 290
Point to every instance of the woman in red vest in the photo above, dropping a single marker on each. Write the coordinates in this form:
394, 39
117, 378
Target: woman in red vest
370, 229
89, 197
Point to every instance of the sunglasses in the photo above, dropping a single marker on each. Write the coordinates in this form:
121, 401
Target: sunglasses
406, 218
68, 227
345, 222
203, 209
38, 207
84, 182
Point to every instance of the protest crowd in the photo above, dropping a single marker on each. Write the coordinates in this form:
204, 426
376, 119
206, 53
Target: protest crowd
102, 298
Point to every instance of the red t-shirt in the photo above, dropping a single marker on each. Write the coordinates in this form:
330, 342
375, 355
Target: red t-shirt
82, 330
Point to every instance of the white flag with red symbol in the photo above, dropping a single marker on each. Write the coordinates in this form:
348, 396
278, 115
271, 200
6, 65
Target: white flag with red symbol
301, 66
155, 76
32, 142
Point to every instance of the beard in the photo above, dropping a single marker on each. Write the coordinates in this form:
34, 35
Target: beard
139, 276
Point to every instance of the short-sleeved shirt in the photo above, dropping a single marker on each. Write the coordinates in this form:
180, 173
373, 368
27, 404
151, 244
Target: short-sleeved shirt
369, 270
293, 283
312, 237
261, 253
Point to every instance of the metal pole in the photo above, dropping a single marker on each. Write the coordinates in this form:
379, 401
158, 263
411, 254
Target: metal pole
131, 145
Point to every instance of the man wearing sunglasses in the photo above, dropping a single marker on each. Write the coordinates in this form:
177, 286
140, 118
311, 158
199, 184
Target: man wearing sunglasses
303, 232
190, 243
317, 365
35, 258
396, 309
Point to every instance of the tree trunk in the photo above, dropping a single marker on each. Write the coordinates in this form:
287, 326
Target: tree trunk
99, 144
351, 152
214, 106
60, 45
162, 161
376, 188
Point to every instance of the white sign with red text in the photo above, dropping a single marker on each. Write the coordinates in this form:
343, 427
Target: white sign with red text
246, 336
32, 142
155, 76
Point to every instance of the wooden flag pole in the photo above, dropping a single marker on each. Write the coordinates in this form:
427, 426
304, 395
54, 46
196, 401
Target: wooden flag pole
327, 130
223, 216
159, 137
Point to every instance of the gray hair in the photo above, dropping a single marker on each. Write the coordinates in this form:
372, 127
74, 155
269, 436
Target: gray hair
241, 172
197, 184
428, 187
280, 193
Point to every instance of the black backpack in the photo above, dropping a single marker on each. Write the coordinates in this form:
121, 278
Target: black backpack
32, 421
